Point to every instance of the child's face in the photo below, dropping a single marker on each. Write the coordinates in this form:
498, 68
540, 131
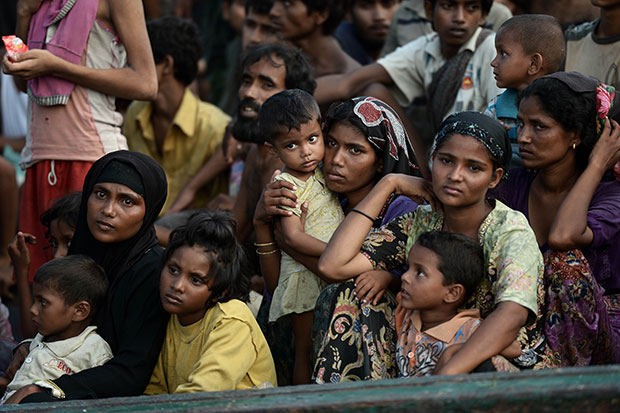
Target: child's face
463, 172
300, 150
511, 64
115, 212
455, 21
422, 285
50, 314
60, 236
184, 286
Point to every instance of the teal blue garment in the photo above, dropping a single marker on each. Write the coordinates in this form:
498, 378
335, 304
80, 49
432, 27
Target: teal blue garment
506, 110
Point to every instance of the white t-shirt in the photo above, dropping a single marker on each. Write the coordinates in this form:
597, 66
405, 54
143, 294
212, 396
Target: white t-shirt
412, 66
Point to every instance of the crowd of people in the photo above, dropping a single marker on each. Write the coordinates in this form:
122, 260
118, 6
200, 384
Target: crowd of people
243, 194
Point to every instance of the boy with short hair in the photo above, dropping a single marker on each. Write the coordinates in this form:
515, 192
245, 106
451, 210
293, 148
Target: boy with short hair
528, 47
444, 270
449, 68
178, 130
67, 293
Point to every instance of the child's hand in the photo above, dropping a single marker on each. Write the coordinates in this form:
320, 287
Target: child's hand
18, 251
370, 286
31, 64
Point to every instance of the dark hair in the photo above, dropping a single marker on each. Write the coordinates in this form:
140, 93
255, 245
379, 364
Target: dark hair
336, 9
299, 74
461, 259
574, 111
75, 278
258, 6
288, 109
484, 4
179, 39
65, 209
538, 33
215, 233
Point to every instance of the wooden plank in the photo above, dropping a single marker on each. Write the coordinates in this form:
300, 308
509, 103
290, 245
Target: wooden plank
588, 389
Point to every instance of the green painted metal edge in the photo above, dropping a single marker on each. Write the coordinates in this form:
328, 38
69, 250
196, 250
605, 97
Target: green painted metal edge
595, 389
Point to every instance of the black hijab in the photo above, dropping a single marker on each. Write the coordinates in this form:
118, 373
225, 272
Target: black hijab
117, 258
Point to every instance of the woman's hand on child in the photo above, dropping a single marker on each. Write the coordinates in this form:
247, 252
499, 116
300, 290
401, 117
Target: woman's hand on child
18, 251
606, 151
276, 194
446, 357
31, 64
371, 286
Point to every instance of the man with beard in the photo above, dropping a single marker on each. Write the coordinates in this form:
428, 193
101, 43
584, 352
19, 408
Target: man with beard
266, 70
363, 37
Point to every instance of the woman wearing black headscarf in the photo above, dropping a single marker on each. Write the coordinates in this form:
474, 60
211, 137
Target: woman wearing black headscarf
470, 155
122, 196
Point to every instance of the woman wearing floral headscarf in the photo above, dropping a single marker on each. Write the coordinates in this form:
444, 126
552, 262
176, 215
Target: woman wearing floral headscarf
569, 143
364, 140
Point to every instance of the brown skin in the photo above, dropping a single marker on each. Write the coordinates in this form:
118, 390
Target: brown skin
136, 81
458, 188
305, 31
560, 194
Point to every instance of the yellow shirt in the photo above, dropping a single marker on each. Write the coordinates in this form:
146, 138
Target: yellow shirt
195, 134
225, 350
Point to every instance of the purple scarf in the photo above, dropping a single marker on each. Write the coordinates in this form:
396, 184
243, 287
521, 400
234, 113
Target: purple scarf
75, 20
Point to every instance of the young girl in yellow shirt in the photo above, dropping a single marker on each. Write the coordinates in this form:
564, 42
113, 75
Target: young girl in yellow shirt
212, 341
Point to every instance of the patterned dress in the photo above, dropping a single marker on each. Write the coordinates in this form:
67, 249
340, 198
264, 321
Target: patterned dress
514, 273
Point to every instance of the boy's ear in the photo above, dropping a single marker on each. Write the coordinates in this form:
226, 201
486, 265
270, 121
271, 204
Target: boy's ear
496, 177
454, 293
536, 64
168, 68
320, 17
272, 150
81, 311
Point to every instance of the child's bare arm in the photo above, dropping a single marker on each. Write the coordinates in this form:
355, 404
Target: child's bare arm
296, 238
20, 257
136, 81
335, 87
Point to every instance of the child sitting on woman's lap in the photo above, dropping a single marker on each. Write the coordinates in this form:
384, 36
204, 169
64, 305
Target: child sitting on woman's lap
67, 293
444, 269
212, 341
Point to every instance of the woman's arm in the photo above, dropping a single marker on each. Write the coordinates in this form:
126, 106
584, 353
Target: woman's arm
137, 81
494, 334
342, 258
570, 227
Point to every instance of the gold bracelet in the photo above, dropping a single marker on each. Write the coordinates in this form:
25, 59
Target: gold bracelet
266, 244
267, 252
